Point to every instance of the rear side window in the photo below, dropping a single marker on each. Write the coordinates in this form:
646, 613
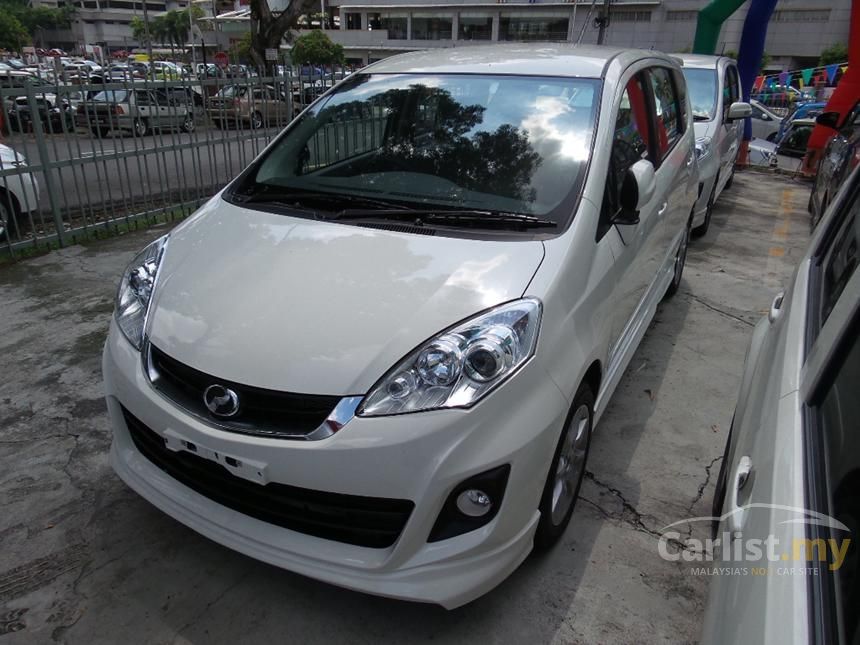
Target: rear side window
840, 262
668, 112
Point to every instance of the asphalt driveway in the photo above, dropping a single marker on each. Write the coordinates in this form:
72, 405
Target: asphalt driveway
85, 560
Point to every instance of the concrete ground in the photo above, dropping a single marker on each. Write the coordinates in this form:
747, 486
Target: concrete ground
85, 560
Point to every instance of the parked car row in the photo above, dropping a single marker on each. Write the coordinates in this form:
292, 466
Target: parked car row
454, 259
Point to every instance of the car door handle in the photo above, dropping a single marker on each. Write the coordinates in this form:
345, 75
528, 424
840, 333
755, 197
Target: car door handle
742, 476
776, 307
662, 208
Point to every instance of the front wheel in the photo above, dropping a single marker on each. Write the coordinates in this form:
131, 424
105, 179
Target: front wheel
256, 121
141, 127
680, 261
188, 124
566, 471
702, 228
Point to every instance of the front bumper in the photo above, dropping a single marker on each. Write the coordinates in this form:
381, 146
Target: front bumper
420, 457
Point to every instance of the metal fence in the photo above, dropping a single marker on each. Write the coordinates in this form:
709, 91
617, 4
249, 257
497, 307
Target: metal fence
86, 160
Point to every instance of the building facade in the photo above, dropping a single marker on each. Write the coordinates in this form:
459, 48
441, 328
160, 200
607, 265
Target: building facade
373, 29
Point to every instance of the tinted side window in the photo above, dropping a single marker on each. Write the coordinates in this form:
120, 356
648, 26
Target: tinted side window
667, 110
630, 143
840, 263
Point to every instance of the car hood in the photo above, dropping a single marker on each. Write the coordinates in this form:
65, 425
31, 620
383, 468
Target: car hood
298, 305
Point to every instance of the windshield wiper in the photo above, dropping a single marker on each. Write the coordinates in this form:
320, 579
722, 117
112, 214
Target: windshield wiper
699, 117
459, 217
297, 198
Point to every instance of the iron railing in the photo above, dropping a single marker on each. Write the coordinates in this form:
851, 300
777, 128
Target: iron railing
96, 158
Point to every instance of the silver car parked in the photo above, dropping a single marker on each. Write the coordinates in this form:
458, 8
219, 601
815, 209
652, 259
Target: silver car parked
787, 503
714, 88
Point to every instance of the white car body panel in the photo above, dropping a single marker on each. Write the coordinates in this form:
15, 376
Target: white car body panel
22, 184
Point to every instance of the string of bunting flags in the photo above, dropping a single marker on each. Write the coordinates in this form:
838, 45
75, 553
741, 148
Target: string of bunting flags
811, 76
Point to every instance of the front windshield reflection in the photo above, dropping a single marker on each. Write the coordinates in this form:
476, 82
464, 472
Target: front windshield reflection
500, 143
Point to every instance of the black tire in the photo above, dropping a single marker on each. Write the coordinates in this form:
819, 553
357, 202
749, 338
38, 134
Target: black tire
702, 229
256, 121
101, 133
730, 180
188, 124
554, 518
772, 137
680, 260
8, 213
141, 127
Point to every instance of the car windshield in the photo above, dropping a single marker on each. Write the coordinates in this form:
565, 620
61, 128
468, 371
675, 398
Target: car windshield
702, 88
232, 91
111, 96
495, 143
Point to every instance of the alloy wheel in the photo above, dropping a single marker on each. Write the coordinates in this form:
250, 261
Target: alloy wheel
571, 464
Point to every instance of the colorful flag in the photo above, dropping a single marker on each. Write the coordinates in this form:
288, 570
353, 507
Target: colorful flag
783, 78
759, 81
844, 68
831, 72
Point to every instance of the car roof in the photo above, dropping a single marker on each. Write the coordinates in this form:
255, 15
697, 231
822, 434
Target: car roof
700, 61
531, 59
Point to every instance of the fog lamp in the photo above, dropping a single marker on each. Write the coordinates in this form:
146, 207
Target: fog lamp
474, 502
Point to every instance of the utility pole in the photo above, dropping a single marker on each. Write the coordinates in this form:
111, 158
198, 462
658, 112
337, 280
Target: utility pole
603, 22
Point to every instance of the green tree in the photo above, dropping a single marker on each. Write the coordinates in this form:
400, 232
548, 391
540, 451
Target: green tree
13, 35
34, 19
138, 30
836, 53
268, 29
240, 51
315, 48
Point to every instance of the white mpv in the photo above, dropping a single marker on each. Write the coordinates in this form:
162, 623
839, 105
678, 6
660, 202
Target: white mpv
376, 358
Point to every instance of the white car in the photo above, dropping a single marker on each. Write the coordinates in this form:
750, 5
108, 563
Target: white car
376, 358
19, 191
714, 88
790, 477
765, 123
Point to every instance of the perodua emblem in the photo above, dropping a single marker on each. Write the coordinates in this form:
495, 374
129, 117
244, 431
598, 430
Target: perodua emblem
221, 401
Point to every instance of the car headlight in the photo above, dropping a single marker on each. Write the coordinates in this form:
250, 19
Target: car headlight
703, 147
135, 291
461, 365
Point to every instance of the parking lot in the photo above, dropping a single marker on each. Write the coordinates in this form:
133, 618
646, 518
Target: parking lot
85, 560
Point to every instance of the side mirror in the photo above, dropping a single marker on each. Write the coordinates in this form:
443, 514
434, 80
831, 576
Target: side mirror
637, 189
738, 111
828, 119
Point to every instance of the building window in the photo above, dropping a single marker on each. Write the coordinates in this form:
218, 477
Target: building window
394, 23
681, 16
630, 16
427, 26
800, 15
475, 27
353, 21
532, 28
